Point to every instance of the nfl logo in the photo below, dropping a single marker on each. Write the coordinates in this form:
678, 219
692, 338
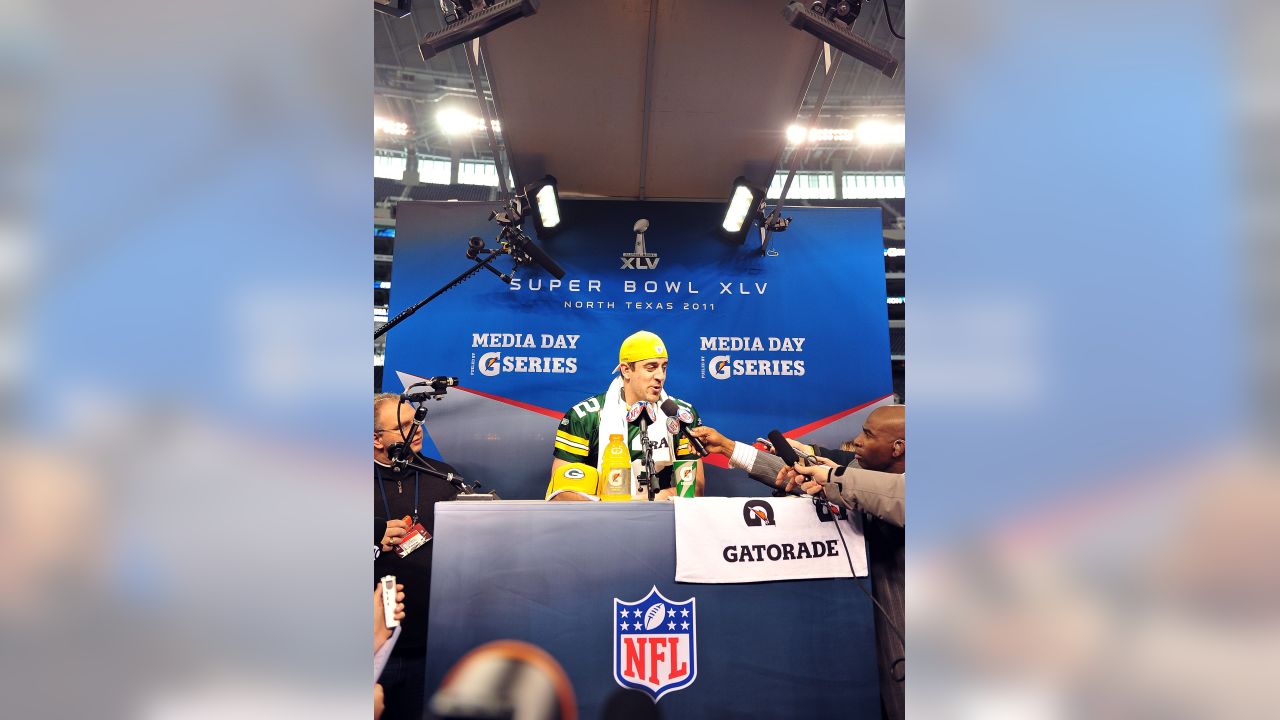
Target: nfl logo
653, 644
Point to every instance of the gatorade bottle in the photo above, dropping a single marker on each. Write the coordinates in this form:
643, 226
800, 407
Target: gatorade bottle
615, 483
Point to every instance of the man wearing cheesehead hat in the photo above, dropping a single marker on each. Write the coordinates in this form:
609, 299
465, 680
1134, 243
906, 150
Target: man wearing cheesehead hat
586, 427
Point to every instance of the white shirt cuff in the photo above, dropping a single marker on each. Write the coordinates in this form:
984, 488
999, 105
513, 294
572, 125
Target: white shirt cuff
743, 457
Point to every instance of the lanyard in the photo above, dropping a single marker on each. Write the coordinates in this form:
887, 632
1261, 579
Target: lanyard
386, 505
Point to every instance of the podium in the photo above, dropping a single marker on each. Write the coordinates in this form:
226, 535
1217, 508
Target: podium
550, 573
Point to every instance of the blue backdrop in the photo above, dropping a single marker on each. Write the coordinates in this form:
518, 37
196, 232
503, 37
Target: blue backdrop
794, 342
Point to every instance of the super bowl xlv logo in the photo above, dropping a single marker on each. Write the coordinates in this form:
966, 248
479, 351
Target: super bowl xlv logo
654, 644
640, 260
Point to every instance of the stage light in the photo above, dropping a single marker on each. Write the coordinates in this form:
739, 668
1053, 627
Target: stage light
797, 135
390, 127
545, 198
742, 211
829, 20
453, 121
456, 122
879, 132
473, 20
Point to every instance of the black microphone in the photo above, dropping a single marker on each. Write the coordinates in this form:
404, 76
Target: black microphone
783, 448
525, 245
638, 411
397, 455
438, 386
788, 454
675, 412
474, 246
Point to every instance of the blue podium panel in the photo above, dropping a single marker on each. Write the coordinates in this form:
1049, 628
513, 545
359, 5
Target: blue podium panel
560, 576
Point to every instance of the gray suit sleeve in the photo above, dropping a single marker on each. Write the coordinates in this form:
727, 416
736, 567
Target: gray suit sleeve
879, 493
766, 467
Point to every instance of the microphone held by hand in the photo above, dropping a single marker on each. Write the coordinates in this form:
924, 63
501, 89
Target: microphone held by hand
783, 448
673, 411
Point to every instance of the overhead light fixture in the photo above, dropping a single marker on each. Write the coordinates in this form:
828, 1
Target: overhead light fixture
473, 18
744, 207
453, 121
390, 127
880, 132
544, 195
829, 21
797, 135
394, 8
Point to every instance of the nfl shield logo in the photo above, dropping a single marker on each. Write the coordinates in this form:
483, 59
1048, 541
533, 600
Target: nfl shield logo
653, 644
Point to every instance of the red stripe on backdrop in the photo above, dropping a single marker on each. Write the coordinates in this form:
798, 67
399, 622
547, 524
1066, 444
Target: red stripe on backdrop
803, 429
515, 403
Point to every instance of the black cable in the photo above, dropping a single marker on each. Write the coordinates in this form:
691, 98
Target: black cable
854, 573
889, 18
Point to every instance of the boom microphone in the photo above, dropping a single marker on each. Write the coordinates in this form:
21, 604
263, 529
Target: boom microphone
525, 245
675, 412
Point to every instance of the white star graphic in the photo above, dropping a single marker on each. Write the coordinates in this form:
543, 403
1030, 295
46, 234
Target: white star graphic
684, 626
671, 625
624, 626
684, 613
635, 626
626, 613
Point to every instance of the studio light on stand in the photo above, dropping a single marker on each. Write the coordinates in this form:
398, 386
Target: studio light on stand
469, 19
747, 208
745, 203
544, 195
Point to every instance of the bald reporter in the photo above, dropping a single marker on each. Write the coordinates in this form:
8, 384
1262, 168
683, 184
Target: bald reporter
872, 480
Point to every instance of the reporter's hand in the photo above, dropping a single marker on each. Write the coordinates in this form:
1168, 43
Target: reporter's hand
378, 703
382, 633
712, 440
665, 494
811, 479
789, 480
807, 479
800, 447
396, 530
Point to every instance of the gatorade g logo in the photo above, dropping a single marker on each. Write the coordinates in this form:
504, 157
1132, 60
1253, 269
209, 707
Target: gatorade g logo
614, 484
719, 367
489, 364
686, 477
574, 473
757, 513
